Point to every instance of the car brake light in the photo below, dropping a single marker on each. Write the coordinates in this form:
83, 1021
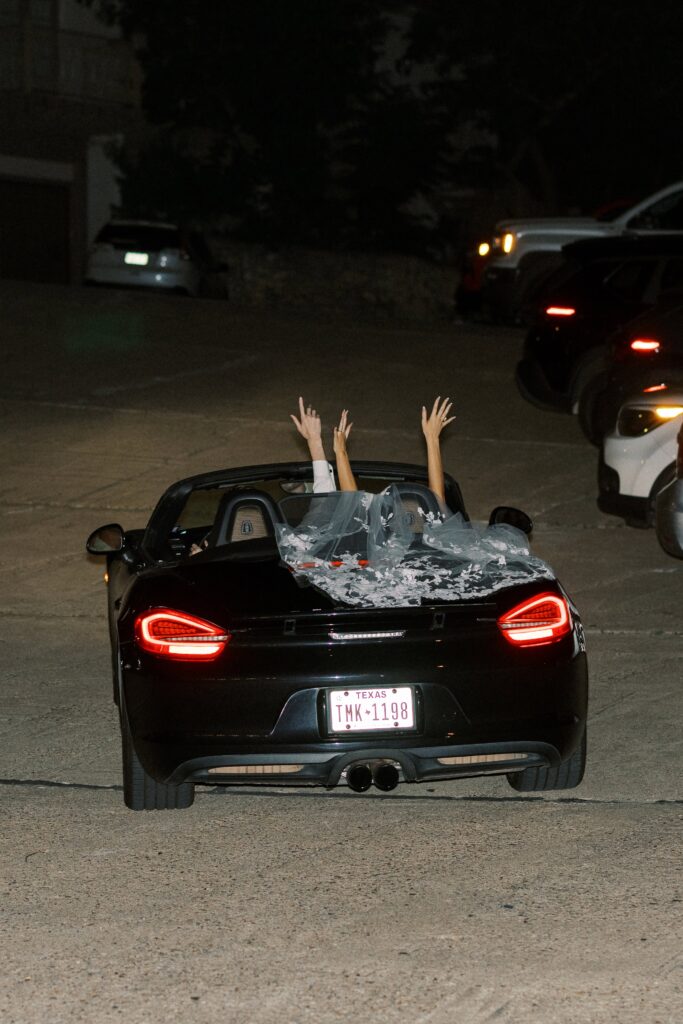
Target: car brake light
176, 635
560, 311
540, 620
655, 387
645, 345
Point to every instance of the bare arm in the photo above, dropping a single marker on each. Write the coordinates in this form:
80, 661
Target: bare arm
432, 425
347, 481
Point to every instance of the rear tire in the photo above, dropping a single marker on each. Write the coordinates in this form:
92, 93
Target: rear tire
666, 477
595, 419
140, 791
566, 775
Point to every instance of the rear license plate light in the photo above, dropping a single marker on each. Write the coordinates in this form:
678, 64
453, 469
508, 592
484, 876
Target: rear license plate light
384, 709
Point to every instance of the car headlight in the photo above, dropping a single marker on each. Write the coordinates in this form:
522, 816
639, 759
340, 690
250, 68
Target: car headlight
483, 248
669, 412
506, 241
633, 422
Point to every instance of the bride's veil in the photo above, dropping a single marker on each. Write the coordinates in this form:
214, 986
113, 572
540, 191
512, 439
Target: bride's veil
377, 550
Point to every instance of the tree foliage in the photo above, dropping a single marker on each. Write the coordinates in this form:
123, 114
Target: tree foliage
364, 122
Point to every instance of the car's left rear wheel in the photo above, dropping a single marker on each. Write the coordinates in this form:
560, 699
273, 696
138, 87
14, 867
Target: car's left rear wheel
141, 792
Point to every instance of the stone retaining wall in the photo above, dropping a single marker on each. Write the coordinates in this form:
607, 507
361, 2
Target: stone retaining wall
371, 286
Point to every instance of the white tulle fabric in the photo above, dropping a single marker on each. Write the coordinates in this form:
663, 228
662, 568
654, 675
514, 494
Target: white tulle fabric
367, 550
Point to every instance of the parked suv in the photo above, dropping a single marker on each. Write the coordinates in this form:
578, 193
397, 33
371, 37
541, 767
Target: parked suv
523, 250
147, 254
602, 284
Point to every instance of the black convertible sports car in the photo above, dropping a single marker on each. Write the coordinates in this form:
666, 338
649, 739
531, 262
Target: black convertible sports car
231, 665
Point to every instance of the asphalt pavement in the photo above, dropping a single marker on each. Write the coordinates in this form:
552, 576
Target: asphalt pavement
459, 901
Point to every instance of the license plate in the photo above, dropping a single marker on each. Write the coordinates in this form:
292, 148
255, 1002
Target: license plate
136, 259
385, 708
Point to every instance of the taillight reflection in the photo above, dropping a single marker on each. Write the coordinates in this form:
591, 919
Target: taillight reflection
179, 636
540, 620
560, 311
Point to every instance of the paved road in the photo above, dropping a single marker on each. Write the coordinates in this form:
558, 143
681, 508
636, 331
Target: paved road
460, 901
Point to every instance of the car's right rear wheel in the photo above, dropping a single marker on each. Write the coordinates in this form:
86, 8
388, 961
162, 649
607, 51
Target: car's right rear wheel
141, 792
566, 775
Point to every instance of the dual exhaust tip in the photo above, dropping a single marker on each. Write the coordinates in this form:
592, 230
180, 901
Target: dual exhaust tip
361, 776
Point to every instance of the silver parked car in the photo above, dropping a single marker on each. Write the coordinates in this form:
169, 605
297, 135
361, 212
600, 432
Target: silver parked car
669, 509
148, 254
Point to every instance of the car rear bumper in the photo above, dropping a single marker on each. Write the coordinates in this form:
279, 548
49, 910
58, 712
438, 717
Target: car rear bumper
124, 277
181, 733
326, 768
534, 387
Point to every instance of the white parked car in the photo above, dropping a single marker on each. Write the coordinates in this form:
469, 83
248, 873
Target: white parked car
638, 458
523, 251
147, 254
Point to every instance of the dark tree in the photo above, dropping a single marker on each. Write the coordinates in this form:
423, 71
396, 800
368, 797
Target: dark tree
365, 122
251, 101
581, 97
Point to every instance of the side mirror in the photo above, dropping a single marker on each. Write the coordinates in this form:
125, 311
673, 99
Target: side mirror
509, 516
106, 540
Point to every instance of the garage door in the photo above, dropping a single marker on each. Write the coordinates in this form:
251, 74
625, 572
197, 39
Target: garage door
34, 231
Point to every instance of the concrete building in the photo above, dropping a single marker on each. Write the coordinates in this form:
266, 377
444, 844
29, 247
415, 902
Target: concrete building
69, 87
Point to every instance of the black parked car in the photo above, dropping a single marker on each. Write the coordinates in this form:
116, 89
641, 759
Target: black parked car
231, 668
645, 353
603, 283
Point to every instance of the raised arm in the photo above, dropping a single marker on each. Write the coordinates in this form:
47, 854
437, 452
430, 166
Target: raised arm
432, 425
310, 427
347, 481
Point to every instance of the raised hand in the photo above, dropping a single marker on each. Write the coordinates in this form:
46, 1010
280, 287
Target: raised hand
309, 426
433, 424
341, 433
347, 481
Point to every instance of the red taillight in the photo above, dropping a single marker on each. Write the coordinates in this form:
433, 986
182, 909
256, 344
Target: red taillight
540, 620
560, 311
655, 387
176, 635
645, 345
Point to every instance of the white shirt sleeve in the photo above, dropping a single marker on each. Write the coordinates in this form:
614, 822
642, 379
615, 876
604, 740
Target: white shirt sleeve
323, 477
